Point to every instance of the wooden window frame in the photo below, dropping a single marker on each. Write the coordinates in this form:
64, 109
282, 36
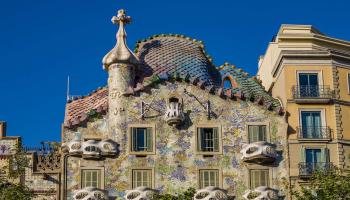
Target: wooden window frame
208, 169
130, 149
101, 179
141, 168
219, 127
267, 124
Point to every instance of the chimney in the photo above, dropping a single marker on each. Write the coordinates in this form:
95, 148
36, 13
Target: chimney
2, 129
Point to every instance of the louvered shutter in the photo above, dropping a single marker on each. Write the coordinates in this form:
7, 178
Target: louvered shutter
149, 140
216, 139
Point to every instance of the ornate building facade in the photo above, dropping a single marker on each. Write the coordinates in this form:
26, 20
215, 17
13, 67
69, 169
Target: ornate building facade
42, 176
169, 120
309, 72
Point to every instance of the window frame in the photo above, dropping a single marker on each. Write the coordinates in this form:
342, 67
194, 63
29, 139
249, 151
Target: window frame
208, 169
219, 139
151, 169
130, 147
267, 131
101, 178
269, 177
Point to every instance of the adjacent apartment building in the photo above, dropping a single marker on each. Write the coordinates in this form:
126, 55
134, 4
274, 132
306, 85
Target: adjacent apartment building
169, 120
41, 175
309, 73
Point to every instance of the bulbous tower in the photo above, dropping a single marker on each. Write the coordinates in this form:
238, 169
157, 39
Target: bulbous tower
121, 64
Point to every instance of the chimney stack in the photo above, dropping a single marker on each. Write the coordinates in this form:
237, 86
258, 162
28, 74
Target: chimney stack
2, 129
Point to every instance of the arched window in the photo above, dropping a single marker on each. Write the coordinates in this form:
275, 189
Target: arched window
227, 84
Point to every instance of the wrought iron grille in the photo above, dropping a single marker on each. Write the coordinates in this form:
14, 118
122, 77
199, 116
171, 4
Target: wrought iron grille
314, 132
308, 168
312, 91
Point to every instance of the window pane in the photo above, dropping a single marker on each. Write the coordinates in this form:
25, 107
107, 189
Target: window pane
208, 139
259, 178
90, 178
257, 133
208, 178
142, 178
142, 139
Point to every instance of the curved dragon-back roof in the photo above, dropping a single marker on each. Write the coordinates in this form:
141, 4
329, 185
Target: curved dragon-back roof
170, 54
176, 57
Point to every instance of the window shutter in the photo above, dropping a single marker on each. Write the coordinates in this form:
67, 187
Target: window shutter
216, 139
302, 155
201, 137
253, 179
253, 133
149, 139
262, 134
134, 139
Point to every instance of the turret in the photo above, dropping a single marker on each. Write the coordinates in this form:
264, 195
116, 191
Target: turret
121, 64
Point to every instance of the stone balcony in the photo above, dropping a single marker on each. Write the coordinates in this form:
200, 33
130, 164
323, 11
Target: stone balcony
91, 149
90, 193
259, 152
261, 193
140, 193
312, 94
211, 193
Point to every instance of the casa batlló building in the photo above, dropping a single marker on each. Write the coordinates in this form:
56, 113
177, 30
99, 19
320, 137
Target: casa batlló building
169, 120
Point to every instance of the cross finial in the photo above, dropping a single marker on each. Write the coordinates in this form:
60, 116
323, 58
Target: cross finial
121, 18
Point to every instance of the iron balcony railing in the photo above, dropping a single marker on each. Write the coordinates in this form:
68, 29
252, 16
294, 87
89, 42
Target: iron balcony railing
308, 168
314, 132
312, 91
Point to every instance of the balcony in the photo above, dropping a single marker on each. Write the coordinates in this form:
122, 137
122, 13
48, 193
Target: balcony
90, 193
140, 193
312, 93
259, 152
306, 169
211, 193
91, 149
261, 192
314, 133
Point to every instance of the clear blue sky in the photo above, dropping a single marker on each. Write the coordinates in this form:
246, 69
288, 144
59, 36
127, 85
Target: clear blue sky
42, 42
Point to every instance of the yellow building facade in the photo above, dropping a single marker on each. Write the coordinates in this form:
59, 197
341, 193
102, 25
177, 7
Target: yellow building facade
309, 73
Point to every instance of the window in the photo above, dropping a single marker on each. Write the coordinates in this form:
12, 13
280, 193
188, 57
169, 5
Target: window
142, 139
208, 177
259, 177
308, 85
257, 133
91, 178
141, 177
311, 124
313, 159
227, 84
208, 139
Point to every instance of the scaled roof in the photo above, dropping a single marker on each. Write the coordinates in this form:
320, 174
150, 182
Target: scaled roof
181, 58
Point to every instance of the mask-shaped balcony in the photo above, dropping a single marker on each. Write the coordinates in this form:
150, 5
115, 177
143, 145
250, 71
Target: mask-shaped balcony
211, 193
140, 193
259, 152
90, 193
312, 93
91, 149
261, 193
174, 113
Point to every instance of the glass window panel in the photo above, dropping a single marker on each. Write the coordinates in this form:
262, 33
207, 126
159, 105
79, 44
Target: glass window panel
208, 178
142, 139
259, 178
142, 178
91, 178
208, 139
257, 133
